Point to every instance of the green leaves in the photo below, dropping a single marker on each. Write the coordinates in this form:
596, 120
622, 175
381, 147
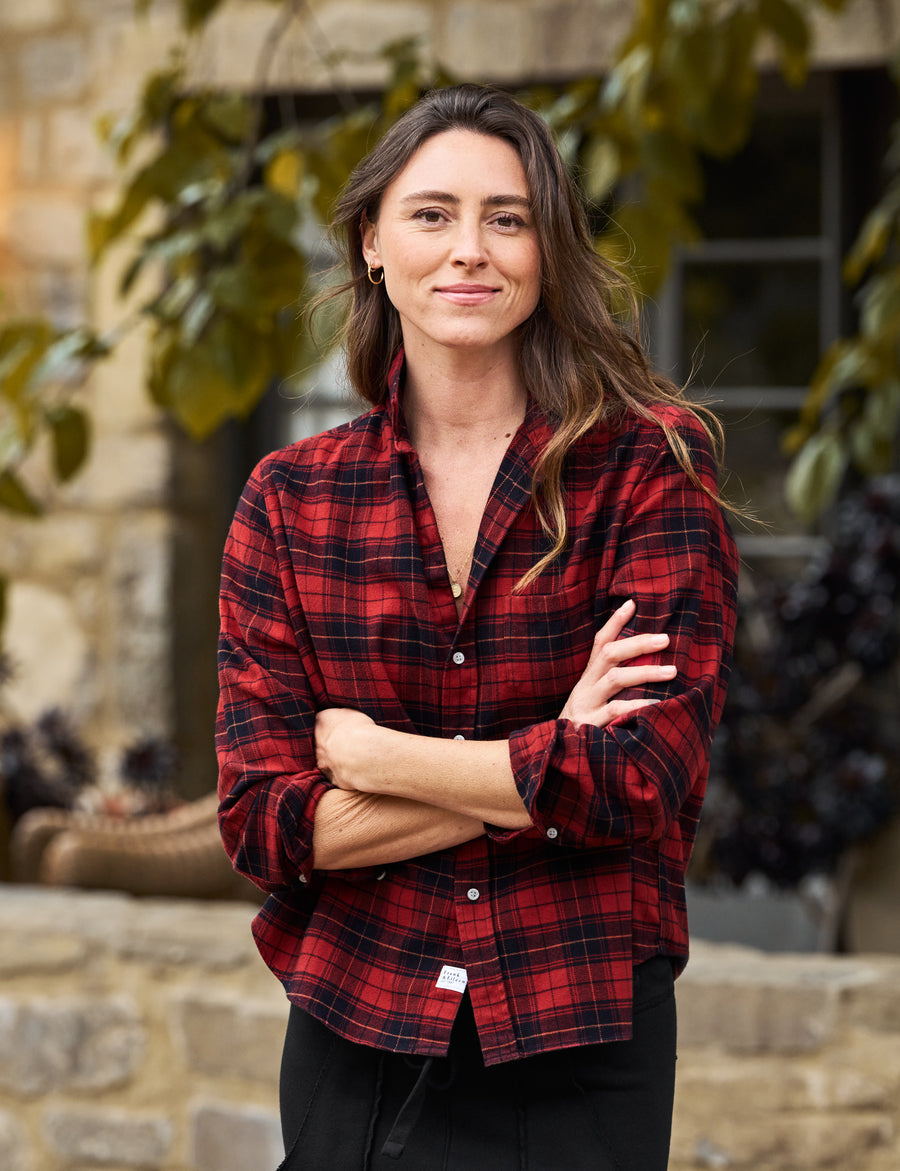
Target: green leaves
854, 396
790, 29
815, 475
70, 435
683, 85
39, 372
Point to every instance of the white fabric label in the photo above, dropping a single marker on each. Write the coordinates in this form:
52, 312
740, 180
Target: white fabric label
455, 979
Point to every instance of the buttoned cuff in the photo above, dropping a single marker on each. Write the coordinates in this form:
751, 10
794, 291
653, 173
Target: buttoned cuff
531, 752
296, 818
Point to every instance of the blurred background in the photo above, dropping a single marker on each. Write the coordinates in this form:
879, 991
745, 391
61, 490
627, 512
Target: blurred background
166, 169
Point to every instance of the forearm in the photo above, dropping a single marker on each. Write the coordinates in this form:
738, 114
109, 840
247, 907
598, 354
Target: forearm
471, 777
367, 829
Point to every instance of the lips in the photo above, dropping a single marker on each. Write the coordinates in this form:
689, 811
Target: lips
467, 294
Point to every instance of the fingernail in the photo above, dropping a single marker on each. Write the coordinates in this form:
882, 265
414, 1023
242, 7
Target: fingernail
660, 640
626, 605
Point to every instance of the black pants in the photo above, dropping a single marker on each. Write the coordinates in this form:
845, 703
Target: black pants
594, 1108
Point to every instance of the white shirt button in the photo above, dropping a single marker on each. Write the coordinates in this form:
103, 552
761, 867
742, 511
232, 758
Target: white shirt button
459, 658
459, 736
552, 833
473, 894
302, 877
380, 876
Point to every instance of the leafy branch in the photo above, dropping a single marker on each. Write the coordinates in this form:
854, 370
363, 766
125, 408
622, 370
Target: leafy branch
851, 414
226, 206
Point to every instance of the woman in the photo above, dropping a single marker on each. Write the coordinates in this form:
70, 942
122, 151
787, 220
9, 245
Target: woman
450, 751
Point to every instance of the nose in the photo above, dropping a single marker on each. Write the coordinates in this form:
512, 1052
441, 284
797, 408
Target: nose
468, 249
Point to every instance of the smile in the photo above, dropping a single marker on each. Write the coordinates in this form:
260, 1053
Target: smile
467, 294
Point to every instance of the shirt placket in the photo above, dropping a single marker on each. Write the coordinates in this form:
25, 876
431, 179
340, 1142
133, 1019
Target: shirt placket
472, 893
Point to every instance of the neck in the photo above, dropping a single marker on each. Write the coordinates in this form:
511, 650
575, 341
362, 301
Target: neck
469, 397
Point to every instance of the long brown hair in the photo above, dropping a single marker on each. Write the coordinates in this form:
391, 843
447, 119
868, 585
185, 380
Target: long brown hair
579, 357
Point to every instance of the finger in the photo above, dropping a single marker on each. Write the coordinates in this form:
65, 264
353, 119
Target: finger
620, 651
619, 678
616, 622
610, 631
624, 649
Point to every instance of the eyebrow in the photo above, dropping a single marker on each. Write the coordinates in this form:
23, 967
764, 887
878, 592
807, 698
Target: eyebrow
448, 197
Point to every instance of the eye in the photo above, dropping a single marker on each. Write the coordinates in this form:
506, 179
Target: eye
429, 215
507, 219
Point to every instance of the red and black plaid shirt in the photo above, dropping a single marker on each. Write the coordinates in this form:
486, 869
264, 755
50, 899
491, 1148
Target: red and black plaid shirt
336, 594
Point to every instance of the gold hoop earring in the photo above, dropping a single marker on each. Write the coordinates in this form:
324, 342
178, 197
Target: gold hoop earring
372, 279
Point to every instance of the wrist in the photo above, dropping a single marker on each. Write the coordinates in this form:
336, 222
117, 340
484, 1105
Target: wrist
372, 750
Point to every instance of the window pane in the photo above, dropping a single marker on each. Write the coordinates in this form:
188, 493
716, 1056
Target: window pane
750, 324
772, 189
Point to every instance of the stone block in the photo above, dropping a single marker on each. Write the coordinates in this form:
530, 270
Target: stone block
578, 37
48, 650
108, 1137
854, 37
119, 397
122, 50
876, 1005
748, 1002
228, 1137
124, 471
61, 545
33, 953
183, 934
76, 1044
74, 151
860, 1074
30, 17
14, 1152
743, 1141
159, 932
53, 67
31, 147
488, 40
352, 30
745, 1018
360, 28
140, 558
47, 229
229, 1031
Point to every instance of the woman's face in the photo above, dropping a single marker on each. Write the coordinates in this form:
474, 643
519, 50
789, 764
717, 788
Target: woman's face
456, 239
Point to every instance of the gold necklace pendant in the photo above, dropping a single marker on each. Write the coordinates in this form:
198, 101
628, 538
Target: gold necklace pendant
455, 589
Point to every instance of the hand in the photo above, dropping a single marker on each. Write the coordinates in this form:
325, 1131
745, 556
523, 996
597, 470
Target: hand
343, 746
591, 699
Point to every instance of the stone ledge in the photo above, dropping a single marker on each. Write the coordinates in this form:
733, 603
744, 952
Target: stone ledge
788, 1003
174, 932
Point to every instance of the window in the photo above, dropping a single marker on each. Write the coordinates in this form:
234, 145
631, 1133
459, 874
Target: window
748, 310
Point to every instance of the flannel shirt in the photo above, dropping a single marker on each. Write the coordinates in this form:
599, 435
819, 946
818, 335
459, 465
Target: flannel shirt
335, 592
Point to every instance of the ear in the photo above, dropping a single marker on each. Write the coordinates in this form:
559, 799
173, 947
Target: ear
369, 234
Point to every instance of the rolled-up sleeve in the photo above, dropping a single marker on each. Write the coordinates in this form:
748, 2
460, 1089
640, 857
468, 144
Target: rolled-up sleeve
675, 556
269, 785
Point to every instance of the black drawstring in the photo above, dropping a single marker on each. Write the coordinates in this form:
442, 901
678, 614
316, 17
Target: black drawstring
376, 1106
408, 1114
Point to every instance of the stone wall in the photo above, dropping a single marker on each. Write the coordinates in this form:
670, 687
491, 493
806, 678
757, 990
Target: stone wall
147, 1035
